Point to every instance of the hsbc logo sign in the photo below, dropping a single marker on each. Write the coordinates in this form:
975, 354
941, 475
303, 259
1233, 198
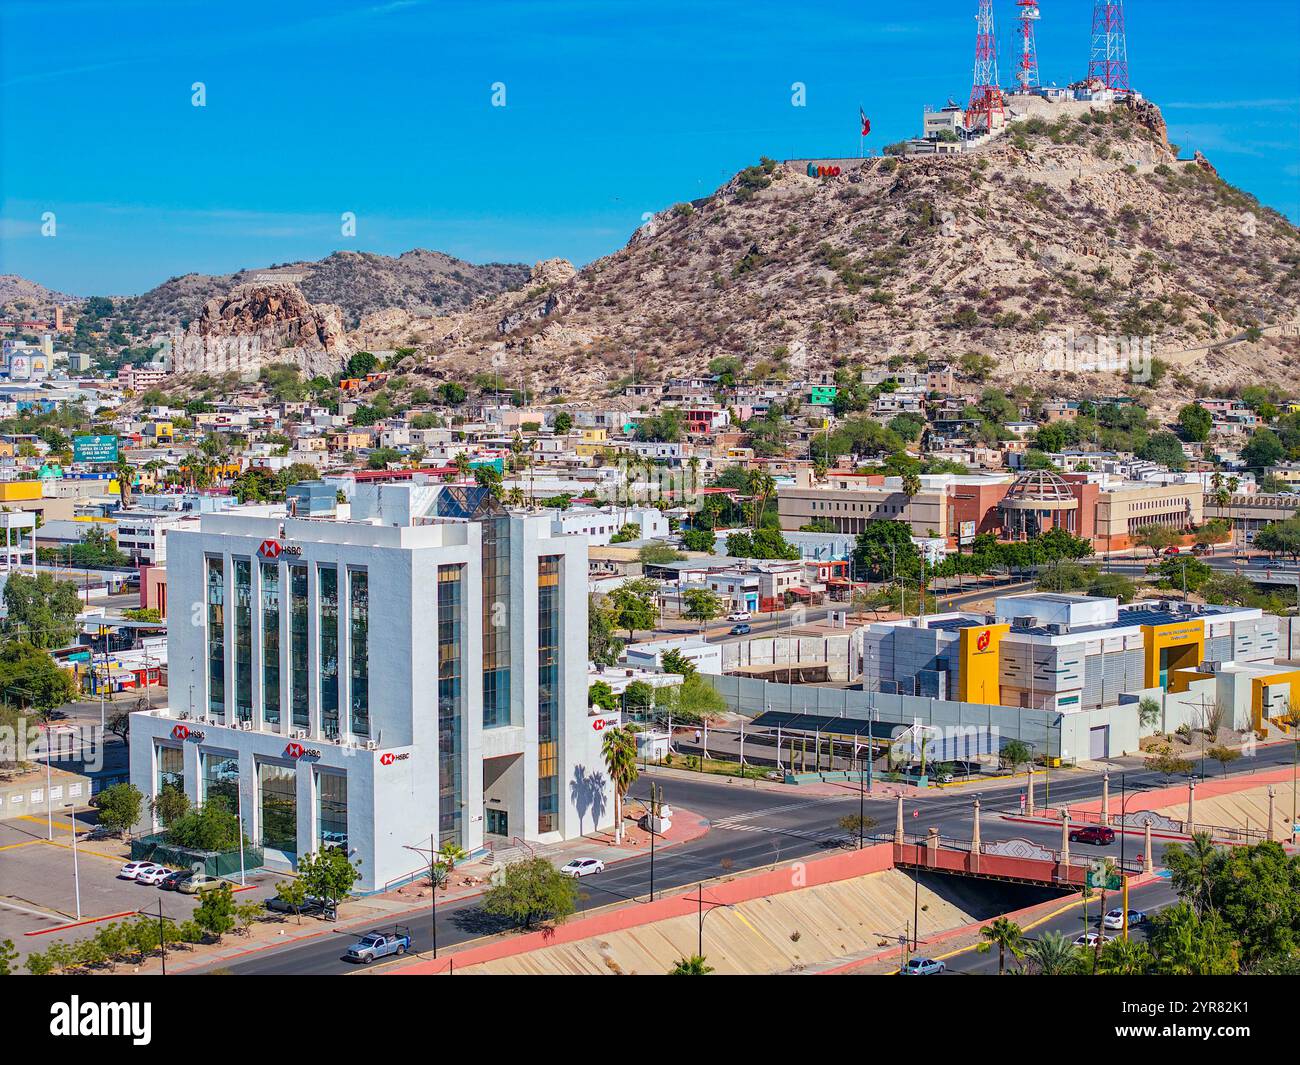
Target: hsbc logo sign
388, 757
297, 750
601, 723
184, 732
273, 549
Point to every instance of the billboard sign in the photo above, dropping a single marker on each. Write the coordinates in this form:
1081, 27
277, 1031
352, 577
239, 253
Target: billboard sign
94, 449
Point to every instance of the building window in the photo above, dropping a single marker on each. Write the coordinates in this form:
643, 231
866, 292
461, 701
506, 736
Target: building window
171, 769
496, 622
298, 646
220, 780
216, 637
450, 594
277, 787
359, 649
332, 810
243, 640
270, 643
327, 578
548, 703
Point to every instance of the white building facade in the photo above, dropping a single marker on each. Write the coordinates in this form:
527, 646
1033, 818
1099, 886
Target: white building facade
371, 685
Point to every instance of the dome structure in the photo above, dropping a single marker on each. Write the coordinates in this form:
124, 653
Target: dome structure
1038, 500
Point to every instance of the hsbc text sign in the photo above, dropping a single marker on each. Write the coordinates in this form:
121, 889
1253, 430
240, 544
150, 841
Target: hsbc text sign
273, 549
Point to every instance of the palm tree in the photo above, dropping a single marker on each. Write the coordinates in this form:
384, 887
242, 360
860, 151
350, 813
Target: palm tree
1194, 869
695, 965
449, 854
911, 485
618, 748
760, 485
1125, 957
1007, 935
1052, 954
461, 462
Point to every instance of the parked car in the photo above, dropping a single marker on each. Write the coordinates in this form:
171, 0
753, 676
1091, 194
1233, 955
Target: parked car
311, 906
1089, 939
1095, 834
132, 870
922, 967
583, 867
1115, 918
173, 881
741, 630
379, 945
198, 882
738, 615
153, 877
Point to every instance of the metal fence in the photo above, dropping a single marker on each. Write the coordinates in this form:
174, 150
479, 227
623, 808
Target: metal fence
155, 848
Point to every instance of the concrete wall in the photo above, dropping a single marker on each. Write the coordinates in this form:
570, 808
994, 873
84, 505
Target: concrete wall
835, 652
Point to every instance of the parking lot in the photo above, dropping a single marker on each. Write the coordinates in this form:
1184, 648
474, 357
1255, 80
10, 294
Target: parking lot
38, 890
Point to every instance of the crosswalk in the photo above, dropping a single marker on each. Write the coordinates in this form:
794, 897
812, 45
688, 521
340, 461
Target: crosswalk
733, 820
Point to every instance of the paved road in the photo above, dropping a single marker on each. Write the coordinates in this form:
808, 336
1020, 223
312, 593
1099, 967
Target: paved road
751, 828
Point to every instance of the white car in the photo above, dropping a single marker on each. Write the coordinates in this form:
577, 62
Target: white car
1115, 918
132, 870
583, 867
154, 875
1089, 939
738, 615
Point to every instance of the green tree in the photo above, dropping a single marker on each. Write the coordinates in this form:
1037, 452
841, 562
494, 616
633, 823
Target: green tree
532, 890
618, 749
702, 605
41, 610
1165, 449
213, 826
293, 893
215, 913
452, 393
1263, 449
7, 957
603, 647
119, 807
170, 804
1156, 538
1007, 936
1053, 954
885, 548
675, 661
1185, 944
1195, 422
692, 701
633, 606
1125, 957
361, 364
602, 695
563, 422
1014, 754
1194, 870
698, 540
695, 965
329, 875
31, 680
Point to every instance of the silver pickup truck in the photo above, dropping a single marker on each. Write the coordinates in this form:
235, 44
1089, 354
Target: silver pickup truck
379, 945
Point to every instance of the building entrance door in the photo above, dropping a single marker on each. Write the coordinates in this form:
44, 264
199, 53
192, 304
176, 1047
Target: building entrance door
498, 823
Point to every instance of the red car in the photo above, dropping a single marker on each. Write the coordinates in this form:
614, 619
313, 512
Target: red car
1093, 834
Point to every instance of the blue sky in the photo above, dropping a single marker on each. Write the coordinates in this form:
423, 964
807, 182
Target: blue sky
384, 108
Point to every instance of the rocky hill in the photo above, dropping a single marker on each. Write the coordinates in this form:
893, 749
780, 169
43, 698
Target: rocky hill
422, 282
21, 297
1059, 240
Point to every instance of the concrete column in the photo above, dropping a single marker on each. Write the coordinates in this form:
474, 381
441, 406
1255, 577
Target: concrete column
1270, 811
975, 835
932, 846
1029, 799
1191, 807
1105, 798
1150, 862
898, 822
1065, 837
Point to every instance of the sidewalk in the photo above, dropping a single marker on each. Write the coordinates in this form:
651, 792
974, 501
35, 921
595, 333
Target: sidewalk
469, 880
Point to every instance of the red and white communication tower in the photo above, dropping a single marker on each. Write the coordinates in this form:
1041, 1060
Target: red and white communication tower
985, 95
1027, 74
1108, 62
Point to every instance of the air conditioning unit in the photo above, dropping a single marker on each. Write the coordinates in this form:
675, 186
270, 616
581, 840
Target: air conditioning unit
1026, 621
299, 734
371, 745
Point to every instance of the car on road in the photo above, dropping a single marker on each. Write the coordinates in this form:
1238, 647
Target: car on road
1090, 939
1115, 918
153, 877
1170, 552
742, 629
580, 867
380, 945
173, 881
132, 870
738, 615
922, 967
1097, 835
